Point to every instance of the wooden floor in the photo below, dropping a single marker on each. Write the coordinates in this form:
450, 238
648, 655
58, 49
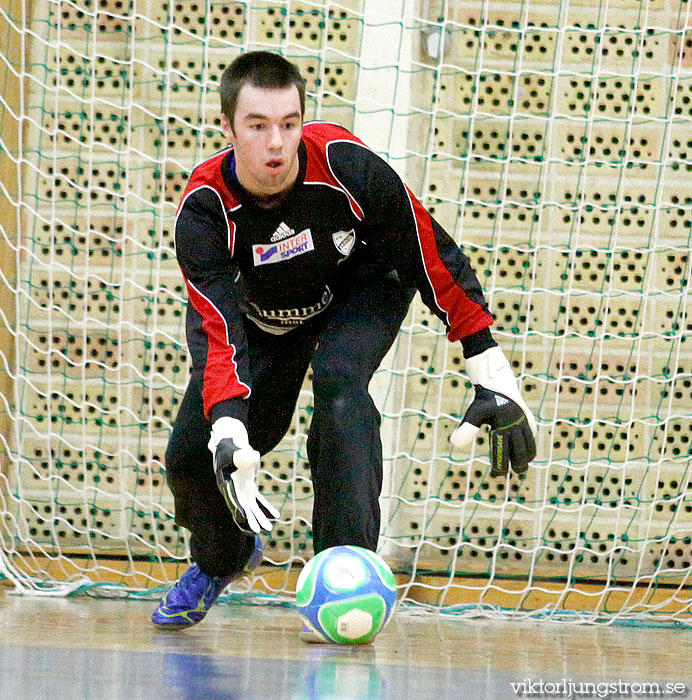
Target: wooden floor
90, 649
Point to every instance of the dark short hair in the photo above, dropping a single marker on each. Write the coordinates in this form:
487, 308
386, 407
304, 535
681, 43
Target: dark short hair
262, 69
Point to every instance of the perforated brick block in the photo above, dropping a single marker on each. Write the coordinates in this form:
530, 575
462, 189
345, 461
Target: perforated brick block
74, 354
68, 521
153, 528
77, 464
591, 544
576, 442
197, 19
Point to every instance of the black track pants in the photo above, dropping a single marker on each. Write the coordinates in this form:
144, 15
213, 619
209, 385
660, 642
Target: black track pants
346, 345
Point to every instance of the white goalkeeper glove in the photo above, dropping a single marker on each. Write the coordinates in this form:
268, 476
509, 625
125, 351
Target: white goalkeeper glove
499, 404
236, 465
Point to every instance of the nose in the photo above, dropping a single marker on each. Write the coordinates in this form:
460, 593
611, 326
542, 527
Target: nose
275, 138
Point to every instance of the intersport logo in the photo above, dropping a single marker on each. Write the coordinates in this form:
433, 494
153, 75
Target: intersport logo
263, 254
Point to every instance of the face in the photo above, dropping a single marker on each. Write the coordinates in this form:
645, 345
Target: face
265, 134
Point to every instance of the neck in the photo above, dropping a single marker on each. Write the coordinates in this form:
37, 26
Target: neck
271, 201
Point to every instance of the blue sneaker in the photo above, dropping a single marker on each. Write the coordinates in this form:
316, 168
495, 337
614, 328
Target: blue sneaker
189, 599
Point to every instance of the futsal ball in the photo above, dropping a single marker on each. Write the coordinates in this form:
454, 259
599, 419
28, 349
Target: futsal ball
346, 594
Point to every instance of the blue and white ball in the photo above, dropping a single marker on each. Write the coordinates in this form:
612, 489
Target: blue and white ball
346, 594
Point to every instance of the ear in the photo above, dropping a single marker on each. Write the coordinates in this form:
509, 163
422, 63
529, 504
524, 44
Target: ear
227, 128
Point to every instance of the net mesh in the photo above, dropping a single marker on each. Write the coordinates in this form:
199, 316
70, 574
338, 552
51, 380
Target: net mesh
551, 139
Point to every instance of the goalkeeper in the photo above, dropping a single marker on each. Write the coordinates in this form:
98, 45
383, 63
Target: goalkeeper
299, 245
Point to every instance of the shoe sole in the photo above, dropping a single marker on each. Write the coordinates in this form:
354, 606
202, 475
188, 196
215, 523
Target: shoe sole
310, 637
170, 627
175, 623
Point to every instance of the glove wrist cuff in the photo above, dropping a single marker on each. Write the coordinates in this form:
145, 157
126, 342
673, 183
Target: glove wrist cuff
484, 368
227, 427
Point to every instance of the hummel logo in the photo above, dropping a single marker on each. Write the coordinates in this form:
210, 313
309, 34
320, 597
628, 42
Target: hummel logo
282, 232
501, 400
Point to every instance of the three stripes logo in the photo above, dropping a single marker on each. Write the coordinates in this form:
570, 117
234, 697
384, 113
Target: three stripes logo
500, 400
283, 231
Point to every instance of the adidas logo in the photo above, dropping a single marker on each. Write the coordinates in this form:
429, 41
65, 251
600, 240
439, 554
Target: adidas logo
501, 400
282, 232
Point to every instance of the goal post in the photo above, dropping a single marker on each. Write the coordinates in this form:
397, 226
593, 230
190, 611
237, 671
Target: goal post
551, 140
9, 196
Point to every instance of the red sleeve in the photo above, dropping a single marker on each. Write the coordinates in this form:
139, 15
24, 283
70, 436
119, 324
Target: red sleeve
456, 291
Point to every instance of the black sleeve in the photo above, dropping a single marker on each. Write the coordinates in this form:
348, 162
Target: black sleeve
404, 233
214, 323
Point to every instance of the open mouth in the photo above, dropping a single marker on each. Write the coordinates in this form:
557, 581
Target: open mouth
274, 164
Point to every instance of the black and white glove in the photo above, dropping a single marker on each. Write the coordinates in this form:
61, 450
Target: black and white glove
236, 465
499, 404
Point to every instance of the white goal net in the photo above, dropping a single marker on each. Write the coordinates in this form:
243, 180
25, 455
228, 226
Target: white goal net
552, 139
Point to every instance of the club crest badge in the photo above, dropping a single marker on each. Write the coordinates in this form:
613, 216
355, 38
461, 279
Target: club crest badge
344, 241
